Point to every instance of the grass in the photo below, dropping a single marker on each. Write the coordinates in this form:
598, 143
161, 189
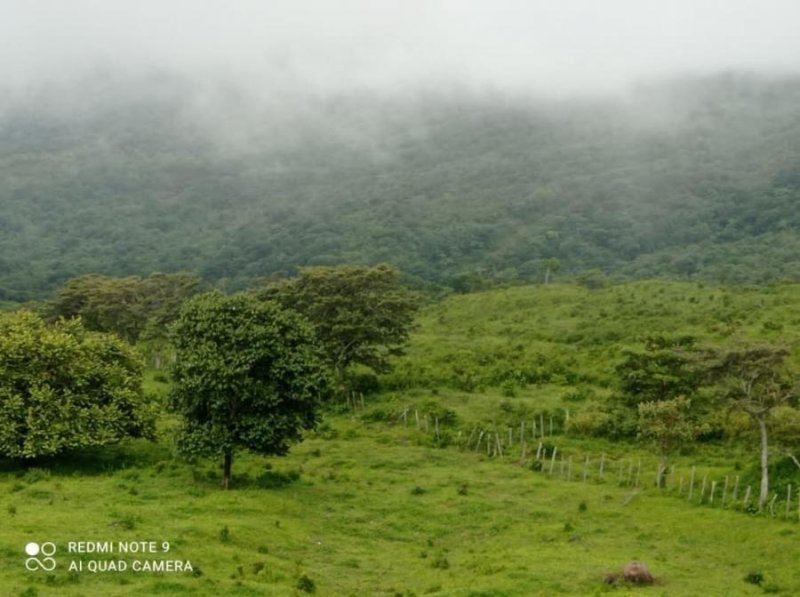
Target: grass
373, 509
371, 505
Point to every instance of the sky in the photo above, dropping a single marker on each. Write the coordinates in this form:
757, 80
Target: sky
554, 46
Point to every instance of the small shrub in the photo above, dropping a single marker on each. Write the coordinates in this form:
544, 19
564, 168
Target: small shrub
463, 489
258, 567
262, 549
579, 394
440, 562
126, 522
306, 584
417, 490
589, 423
508, 388
582, 507
12, 510
225, 534
755, 577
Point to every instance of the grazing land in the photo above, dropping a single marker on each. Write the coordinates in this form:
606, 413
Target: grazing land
376, 503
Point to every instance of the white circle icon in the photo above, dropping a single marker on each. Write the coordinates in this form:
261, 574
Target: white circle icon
32, 549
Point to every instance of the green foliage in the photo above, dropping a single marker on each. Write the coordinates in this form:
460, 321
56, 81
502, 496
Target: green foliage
306, 584
662, 371
692, 179
131, 307
753, 378
248, 375
362, 315
668, 424
590, 423
64, 388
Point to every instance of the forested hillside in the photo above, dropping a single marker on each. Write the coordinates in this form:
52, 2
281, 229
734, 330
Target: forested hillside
689, 178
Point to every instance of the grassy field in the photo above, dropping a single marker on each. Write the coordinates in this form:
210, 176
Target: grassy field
370, 504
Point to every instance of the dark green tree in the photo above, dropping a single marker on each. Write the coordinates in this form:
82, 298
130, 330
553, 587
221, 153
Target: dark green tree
362, 315
129, 307
663, 370
63, 388
248, 375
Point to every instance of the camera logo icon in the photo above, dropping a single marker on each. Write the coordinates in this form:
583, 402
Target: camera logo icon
41, 556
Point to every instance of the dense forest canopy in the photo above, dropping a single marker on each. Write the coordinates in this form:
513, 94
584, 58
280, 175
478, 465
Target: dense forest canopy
694, 177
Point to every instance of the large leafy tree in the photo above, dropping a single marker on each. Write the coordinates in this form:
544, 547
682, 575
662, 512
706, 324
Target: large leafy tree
130, 307
63, 387
753, 378
248, 375
362, 315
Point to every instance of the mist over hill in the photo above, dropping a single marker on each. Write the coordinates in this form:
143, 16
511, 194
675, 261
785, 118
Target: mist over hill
694, 177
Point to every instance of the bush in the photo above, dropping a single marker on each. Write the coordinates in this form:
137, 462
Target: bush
579, 394
591, 423
64, 388
306, 584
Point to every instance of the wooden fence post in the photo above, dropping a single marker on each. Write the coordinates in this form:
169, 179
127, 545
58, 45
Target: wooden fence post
724, 492
585, 469
602, 464
746, 497
711, 497
553, 460
788, 499
691, 484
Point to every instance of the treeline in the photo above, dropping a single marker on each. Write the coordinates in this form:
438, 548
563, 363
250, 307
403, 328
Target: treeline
249, 370
695, 179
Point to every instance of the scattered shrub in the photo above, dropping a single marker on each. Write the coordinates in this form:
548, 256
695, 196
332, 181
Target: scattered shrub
592, 423
224, 534
754, 577
306, 584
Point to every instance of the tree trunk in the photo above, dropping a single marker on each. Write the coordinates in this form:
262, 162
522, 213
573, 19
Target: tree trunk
547, 275
226, 470
764, 495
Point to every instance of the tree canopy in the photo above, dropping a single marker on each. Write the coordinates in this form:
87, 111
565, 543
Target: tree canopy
689, 178
64, 388
362, 315
753, 378
248, 375
131, 307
